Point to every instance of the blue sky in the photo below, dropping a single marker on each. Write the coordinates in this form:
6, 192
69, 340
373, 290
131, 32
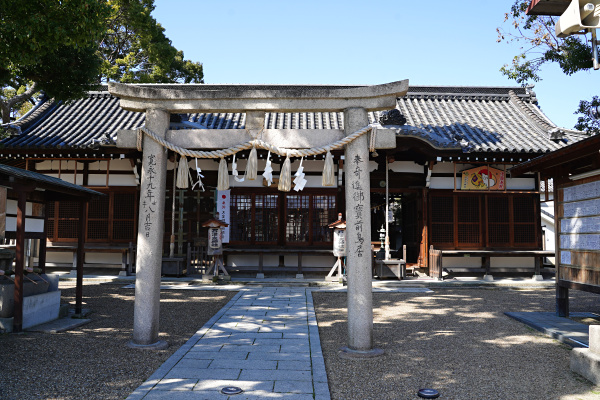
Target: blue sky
432, 42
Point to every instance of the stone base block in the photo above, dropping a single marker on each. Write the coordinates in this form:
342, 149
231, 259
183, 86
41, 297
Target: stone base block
207, 278
260, 276
538, 278
160, 345
299, 276
586, 364
488, 278
349, 354
40, 308
6, 325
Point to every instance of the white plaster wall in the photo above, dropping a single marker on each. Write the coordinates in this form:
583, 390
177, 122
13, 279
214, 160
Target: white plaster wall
309, 261
273, 261
406, 166
520, 184
31, 225
103, 258
437, 182
119, 164
122, 180
59, 257
242, 261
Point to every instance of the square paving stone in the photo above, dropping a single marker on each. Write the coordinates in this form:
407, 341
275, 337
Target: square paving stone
207, 373
245, 385
176, 384
276, 375
293, 387
297, 365
245, 364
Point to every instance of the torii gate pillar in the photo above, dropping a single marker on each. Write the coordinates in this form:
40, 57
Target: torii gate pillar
150, 235
358, 239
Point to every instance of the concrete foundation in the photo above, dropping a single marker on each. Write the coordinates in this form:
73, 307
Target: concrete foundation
37, 309
586, 362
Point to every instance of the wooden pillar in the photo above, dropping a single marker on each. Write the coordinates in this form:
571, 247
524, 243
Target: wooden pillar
80, 257
44, 239
19, 260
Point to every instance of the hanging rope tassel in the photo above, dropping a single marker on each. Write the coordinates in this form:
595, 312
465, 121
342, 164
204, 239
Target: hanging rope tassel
183, 173
285, 176
252, 165
223, 178
328, 172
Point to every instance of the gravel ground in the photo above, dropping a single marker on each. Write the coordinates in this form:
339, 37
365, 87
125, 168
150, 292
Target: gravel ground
93, 361
457, 341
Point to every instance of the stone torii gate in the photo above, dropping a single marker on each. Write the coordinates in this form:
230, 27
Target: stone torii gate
159, 100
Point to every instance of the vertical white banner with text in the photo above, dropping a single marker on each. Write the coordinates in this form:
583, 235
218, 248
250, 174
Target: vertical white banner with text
223, 204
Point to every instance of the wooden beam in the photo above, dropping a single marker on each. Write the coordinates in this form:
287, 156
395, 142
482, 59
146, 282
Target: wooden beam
19, 262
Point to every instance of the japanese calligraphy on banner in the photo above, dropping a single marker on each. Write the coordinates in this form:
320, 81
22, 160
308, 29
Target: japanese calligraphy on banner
223, 206
483, 178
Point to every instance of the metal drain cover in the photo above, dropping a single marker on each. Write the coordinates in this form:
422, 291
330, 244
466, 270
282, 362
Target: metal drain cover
428, 394
231, 390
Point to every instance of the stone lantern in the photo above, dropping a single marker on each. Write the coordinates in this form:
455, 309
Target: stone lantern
215, 245
339, 247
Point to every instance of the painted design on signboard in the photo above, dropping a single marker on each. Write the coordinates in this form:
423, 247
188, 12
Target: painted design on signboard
482, 178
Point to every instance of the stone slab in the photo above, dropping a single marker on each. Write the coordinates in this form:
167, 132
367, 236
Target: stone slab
586, 364
566, 330
40, 308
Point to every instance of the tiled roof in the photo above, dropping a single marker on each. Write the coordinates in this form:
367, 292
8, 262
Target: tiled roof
469, 119
82, 124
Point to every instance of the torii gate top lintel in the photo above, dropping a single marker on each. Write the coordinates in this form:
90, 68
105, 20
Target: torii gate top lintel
181, 98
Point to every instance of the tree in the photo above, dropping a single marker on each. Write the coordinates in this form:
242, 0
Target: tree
136, 50
541, 46
48, 45
67, 47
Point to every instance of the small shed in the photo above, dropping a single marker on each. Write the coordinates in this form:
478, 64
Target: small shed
575, 170
31, 192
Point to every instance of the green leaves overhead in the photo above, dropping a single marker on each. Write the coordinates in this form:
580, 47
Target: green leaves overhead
135, 48
67, 47
540, 45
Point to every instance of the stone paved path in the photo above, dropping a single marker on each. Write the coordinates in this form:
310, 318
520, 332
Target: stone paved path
264, 341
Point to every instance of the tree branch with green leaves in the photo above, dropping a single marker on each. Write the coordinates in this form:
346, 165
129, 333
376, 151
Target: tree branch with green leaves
540, 45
